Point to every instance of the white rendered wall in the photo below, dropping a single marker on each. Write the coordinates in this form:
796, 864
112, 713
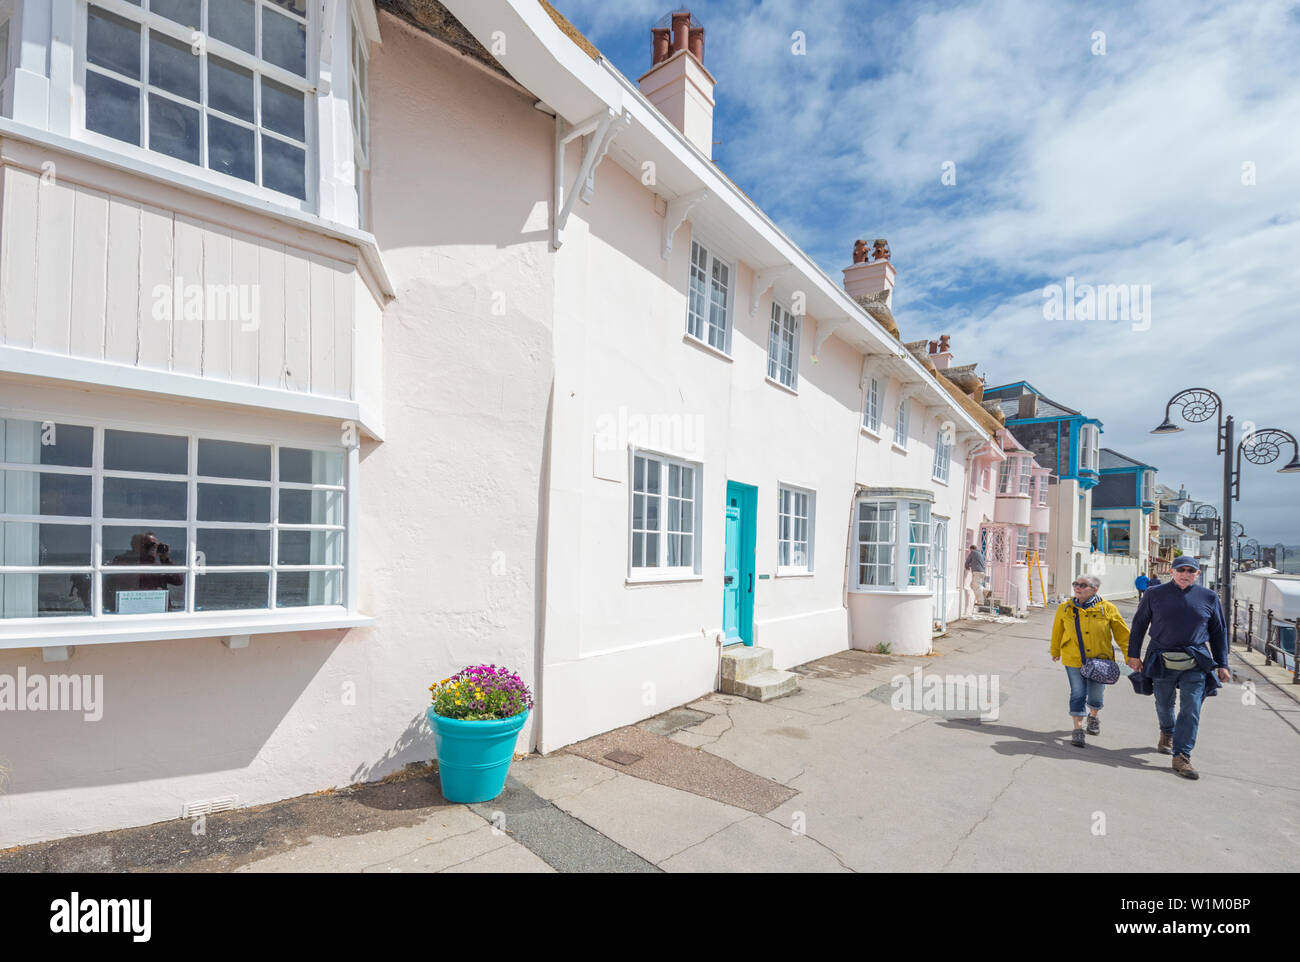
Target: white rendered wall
449, 502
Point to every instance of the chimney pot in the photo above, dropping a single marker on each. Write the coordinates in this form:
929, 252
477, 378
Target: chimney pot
697, 43
659, 44
681, 31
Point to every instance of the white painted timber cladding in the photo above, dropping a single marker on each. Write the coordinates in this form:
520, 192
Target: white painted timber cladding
79, 269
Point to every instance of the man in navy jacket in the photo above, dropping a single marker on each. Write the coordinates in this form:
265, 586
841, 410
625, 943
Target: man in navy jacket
1187, 656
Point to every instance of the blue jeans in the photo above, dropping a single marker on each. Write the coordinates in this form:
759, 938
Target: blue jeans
1191, 686
1081, 687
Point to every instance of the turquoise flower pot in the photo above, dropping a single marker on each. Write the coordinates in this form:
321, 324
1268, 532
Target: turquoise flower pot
474, 756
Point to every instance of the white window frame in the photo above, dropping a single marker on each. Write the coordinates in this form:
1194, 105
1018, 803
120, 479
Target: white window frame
986, 479
1006, 471
1148, 485
155, 22
661, 571
782, 346
1089, 440
1025, 471
942, 457
871, 407
902, 418
359, 113
100, 626
900, 549
787, 519
711, 262
1041, 499
1022, 544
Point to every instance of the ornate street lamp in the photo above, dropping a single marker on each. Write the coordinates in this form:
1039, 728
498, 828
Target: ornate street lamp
1199, 404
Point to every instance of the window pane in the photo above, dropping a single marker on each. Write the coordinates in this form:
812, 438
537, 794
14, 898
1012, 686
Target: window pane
284, 42
35, 492
311, 548
652, 550
173, 66
234, 502
129, 545
311, 507
135, 498
173, 583
28, 442
151, 453
173, 129
44, 596
217, 591
232, 21
234, 459
232, 149
297, 6
284, 110
311, 467
112, 108
112, 42
184, 12
233, 546
284, 167
29, 543
230, 88
294, 589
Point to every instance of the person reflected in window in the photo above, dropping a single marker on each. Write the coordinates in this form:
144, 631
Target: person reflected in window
146, 549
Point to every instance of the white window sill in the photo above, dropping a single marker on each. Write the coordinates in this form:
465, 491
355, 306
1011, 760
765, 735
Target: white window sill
784, 387
898, 447
874, 435
706, 346
668, 577
794, 573
938, 480
69, 632
909, 591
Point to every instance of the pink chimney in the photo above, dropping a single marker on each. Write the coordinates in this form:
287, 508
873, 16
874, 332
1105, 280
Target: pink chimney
677, 82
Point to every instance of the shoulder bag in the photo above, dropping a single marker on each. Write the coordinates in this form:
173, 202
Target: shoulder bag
1103, 670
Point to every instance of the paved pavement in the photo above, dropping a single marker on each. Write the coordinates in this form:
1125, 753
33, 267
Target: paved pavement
840, 776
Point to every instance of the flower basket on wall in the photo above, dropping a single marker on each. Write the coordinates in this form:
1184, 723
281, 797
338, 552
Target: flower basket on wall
476, 716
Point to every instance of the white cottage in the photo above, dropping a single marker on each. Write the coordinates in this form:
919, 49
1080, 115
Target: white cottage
343, 345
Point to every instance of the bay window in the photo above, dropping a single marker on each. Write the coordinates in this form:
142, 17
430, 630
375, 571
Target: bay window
893, 556
794, 545
1006, 476
1022, 543
1042, 491
1024, 465
664, 514
221, 84
1089, 439
100, 522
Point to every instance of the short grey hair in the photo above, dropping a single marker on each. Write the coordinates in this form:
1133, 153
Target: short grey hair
1091, 579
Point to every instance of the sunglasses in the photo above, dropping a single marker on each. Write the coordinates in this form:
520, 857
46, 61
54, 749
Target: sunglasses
1186, 570
1080, 584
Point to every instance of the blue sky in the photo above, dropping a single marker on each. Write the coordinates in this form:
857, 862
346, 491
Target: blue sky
1123, 167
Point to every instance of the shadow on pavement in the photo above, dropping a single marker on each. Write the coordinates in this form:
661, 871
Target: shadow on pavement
1023, 741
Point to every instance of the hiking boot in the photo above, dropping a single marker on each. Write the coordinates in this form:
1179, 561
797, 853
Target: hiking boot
1094, 725
1076, 738
1166, 744
1183, 766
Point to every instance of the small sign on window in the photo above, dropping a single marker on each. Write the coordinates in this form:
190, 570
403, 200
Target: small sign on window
141, 602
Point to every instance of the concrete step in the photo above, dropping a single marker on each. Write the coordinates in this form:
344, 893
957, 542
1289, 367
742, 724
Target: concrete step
764, 685
744, 661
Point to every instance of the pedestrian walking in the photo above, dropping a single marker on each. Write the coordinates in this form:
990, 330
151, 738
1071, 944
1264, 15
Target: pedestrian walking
1186, 659
1142, 583
975, 566
1087, 627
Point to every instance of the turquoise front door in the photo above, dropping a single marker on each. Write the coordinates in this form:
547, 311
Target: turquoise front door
738, 566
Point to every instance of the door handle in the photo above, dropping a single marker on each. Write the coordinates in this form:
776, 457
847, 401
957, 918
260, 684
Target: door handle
751, 581
727, 579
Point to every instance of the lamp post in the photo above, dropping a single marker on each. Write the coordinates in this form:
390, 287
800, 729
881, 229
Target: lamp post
1252, 546
1207, 512
1260, 447
1238, 532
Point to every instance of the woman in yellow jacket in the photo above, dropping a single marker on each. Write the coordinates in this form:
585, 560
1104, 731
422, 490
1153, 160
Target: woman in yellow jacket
1102, 627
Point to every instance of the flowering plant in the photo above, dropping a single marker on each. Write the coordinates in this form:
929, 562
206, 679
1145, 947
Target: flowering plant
481, 693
